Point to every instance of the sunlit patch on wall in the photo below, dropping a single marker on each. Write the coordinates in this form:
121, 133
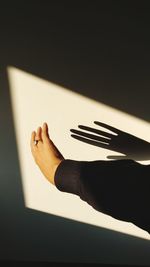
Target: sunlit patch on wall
35, 101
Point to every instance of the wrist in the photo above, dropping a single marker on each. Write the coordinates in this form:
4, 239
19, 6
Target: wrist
54, 170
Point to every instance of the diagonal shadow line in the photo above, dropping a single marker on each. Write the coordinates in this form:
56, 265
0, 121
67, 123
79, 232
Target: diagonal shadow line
129, 145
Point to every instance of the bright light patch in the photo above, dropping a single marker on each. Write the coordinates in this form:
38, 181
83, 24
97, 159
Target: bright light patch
35, 101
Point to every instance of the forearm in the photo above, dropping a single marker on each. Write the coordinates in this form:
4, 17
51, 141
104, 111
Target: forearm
117, 188
92, 181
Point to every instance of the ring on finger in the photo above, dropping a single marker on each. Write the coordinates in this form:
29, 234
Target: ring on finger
36, 142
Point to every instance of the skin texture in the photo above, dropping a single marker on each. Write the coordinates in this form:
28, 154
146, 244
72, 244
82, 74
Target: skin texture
45, 153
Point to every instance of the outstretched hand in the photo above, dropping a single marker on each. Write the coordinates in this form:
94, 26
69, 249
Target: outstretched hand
45, 153
131, 146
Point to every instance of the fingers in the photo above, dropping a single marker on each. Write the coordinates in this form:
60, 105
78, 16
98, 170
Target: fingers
45, 135
90, 142
33, 137
91, 136
93, 130
32, 141
45, 128
112, 129
38, 134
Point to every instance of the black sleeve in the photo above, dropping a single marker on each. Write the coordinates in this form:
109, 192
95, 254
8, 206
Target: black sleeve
118, 188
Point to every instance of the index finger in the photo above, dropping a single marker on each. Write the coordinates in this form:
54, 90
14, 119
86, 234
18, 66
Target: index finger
32, 141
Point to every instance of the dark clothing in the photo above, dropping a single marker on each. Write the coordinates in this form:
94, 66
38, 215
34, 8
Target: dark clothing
119, 188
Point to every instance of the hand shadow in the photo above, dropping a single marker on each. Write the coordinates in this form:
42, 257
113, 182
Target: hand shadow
131, 146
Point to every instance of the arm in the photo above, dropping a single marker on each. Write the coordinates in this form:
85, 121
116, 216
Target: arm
105, 185
118, 188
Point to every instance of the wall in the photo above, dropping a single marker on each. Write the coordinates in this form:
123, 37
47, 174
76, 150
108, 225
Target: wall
101, 51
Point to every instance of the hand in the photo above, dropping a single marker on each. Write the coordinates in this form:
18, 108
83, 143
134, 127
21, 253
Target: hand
45, 153
131, 146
